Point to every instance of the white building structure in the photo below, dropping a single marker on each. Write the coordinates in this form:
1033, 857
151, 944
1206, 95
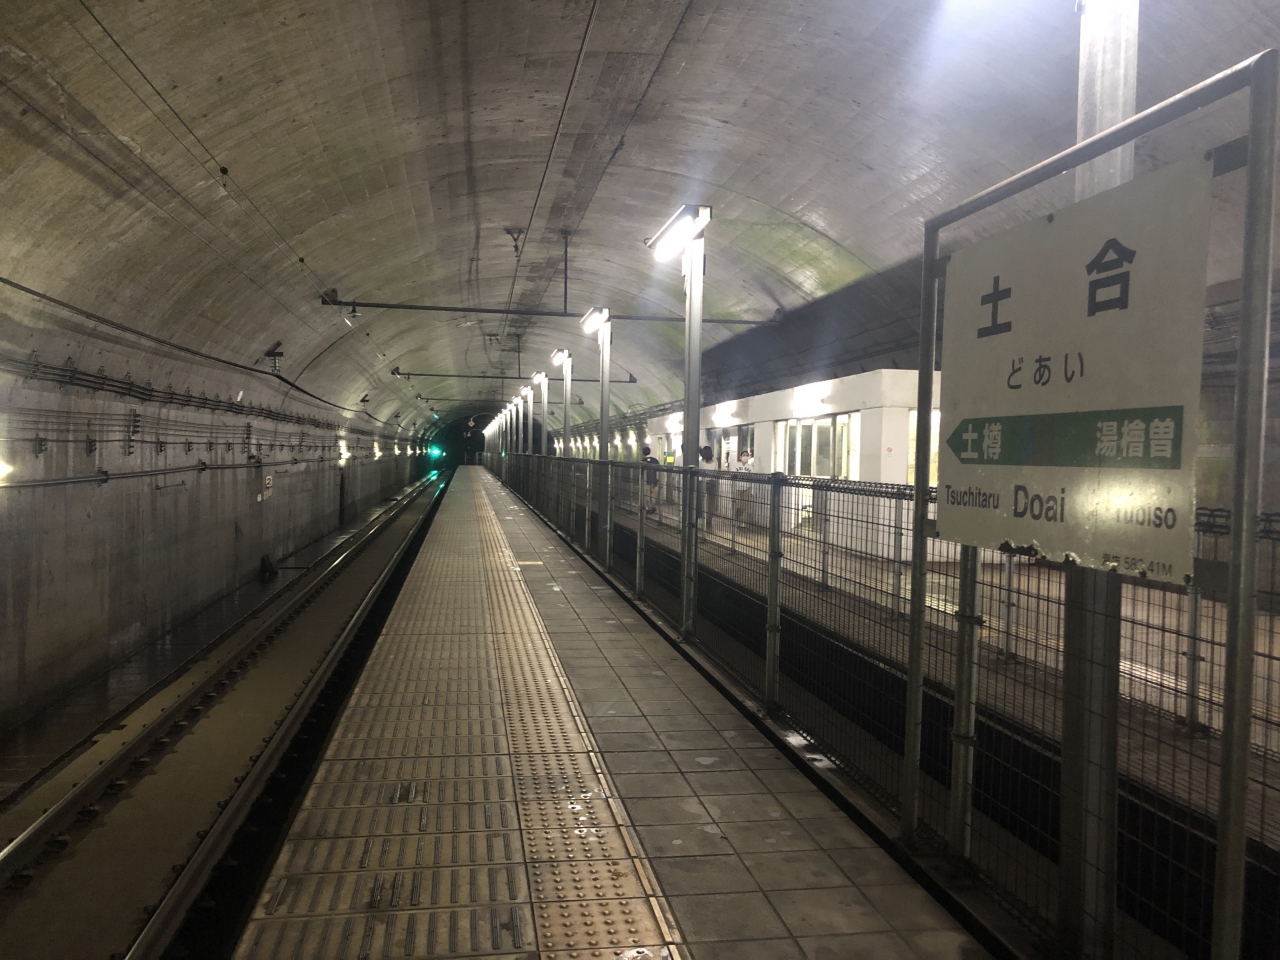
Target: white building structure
860, 427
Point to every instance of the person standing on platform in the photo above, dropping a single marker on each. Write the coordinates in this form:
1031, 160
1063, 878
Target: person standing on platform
710, 487
742, 491
650, 479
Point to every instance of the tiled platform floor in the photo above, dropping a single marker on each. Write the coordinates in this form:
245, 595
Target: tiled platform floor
526, 769
756, 863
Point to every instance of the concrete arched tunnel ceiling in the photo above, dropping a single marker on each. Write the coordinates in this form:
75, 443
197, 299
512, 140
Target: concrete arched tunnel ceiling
397, 146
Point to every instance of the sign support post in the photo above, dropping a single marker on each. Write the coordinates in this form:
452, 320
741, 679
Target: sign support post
1254, 347
1090, 698
909, 797
694, 268
960, 812
1091, 618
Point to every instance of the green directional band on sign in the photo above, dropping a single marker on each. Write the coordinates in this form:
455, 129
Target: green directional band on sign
1141, 438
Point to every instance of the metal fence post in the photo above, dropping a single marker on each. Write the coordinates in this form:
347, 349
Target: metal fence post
735, 503
1193, 659
1010, 605
824, 530
689, 553
960, 813
606, 514
1090, 702
641, 511
562, 500
573, 497
590, 533
897, 557
557, 472
773, 628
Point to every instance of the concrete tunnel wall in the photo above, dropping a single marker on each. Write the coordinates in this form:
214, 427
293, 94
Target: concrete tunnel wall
94, 571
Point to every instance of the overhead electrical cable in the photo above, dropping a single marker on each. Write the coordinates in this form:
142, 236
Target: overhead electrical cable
222, 171
171, 345
551, 153
163, 181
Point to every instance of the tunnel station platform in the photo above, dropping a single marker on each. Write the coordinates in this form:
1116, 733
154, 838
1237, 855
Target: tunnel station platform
526, 768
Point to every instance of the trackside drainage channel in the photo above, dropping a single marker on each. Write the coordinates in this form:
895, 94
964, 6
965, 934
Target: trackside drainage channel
212, 927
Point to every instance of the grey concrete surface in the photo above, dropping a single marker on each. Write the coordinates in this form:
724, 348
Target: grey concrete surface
30, 748
92, 573
755, 861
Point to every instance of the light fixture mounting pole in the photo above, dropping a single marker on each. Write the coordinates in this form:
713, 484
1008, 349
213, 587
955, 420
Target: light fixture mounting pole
565, 235
694, 268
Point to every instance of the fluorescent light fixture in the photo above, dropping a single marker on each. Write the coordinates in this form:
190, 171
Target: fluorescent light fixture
594, 319
675, 423
5, 469
343, 453
539, 378
810, 400
723, 415
526, 391
685, 224
397, 449
377, 451
558, 357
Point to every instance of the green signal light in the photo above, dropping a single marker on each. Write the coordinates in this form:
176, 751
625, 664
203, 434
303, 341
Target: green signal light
435, 451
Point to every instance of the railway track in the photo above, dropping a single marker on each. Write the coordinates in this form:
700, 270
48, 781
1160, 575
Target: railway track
105, 857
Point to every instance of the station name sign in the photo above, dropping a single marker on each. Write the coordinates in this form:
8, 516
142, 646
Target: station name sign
1071, 362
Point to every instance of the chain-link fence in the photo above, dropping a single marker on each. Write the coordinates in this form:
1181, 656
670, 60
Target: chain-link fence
801, 593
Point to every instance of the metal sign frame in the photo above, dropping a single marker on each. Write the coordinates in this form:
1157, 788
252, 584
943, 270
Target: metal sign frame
1259, 76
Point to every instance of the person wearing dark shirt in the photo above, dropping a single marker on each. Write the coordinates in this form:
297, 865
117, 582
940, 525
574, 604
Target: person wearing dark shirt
650, 479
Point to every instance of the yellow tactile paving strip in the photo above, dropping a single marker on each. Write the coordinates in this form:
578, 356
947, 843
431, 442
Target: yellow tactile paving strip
462, 808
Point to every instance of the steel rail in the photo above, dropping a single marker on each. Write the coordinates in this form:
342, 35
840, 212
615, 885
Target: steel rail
19, 851
172, 910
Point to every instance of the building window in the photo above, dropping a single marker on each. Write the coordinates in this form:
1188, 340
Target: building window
821, 447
